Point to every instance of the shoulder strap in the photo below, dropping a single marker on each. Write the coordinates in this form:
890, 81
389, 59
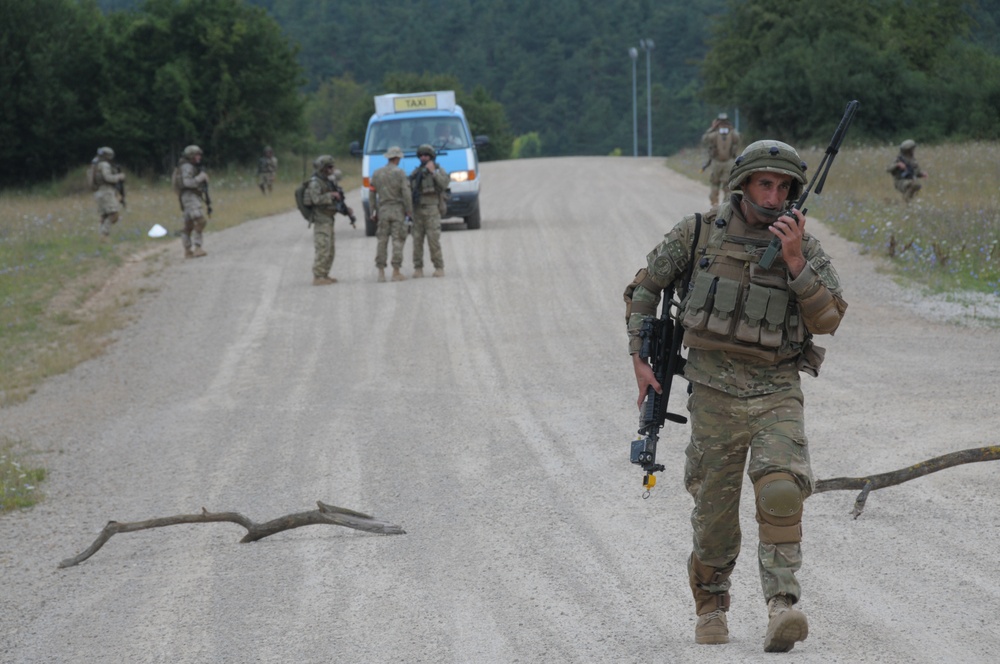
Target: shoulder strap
686, 281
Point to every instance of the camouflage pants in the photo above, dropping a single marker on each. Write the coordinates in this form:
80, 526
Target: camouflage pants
108, 207
427, 223
718, 179
390, 225
266, 181
724, 430
907, 187
192, 231
323, 242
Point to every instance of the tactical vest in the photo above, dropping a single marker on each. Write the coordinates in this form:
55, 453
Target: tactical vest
736, 306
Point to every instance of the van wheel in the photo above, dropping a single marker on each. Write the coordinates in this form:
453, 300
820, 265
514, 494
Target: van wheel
473, 221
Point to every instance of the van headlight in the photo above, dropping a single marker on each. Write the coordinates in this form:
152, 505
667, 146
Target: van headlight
463, 176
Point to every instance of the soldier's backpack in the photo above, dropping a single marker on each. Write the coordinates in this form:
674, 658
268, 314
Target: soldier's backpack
92, 176
176, 181
300, 201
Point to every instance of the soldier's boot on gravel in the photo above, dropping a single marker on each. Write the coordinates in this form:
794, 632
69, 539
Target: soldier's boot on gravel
198, 252
785, 625
438, 272
397, 275
418, 273
710, 587
323, 281
188, 253
381, 275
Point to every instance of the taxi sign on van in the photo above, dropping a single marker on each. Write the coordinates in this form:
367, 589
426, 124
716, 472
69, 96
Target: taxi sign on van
408, 103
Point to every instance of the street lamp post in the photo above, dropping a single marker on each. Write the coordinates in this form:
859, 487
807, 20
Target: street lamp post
634, 54
647, 45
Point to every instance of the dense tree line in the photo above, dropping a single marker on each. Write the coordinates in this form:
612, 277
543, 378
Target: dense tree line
220, 74
148, 77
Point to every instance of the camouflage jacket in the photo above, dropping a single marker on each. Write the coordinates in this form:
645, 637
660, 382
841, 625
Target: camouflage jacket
390, 191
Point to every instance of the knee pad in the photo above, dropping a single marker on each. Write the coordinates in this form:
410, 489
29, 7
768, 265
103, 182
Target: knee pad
779, 508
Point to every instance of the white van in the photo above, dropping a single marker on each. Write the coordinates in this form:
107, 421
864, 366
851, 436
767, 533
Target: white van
411, 120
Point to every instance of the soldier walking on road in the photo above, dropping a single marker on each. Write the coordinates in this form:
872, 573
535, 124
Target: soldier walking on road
430, 182
906, 172
391, 203
723, 143
321, 196
749, 333
108, 183
191, 185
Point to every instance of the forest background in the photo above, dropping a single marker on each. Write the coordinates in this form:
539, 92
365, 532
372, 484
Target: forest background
540, 78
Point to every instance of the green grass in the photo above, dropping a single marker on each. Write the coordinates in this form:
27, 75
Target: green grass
947, 240
19, 483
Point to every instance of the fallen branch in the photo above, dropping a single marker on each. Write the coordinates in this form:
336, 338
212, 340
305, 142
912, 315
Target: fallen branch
325, 515
873, 482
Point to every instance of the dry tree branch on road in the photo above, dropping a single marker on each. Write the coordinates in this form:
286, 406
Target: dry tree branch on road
326, 514
873, 482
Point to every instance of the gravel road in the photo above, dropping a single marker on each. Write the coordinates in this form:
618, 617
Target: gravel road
489, 414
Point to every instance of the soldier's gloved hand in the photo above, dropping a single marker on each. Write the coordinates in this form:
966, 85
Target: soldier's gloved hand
201, 177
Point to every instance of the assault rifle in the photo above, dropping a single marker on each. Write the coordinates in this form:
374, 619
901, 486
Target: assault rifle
416, 185
706, 164
341, 205
207, 197
661, 344
767, 260
120, 186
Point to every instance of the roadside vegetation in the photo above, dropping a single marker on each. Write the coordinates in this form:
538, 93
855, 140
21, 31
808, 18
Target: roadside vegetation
947, 239
19, 481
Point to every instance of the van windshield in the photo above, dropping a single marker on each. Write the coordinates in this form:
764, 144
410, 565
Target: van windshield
411, 133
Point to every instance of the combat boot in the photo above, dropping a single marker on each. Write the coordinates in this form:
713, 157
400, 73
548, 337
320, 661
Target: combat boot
397, 275
198, 252
712, 628
418, 273
188, 253
438, 272
323, 281
785, 624
381, 275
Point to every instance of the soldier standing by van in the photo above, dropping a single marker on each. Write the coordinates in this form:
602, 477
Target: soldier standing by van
107, 181
906, 172
191, 185
430, 182
749, 333
267, 167
391, 202
321, 197
723, 144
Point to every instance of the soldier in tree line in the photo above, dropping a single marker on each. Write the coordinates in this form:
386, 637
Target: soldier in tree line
749, 333
723, 144
191, 185
391, 203
107, 181
267, 167
906, 172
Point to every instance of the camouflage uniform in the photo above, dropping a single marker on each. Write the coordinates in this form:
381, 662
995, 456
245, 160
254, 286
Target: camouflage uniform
319, 196
427, 214
723, 144
106, 176
906, 179
191, 184
392, 200
749, 334
267, 167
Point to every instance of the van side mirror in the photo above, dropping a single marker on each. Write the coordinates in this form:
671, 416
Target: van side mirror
355, 149
482, 141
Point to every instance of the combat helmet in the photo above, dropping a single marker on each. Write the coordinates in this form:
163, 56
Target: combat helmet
427, 150
773, 157
106, 153
908, 145
394, 152
323, 161
191, 151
